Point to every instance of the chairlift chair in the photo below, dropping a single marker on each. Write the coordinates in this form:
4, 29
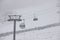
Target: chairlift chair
35, 18
22, 25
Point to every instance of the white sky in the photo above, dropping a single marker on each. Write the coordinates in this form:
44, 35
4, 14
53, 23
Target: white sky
14, 4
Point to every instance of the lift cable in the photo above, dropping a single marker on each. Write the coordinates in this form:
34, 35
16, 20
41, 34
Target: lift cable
32, 29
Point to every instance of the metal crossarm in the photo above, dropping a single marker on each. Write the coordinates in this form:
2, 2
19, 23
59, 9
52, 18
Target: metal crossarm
14, 20
14, 17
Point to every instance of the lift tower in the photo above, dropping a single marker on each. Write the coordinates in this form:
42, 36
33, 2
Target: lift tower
14, 18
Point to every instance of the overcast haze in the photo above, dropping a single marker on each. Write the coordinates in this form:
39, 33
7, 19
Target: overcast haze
45, 11
14, 4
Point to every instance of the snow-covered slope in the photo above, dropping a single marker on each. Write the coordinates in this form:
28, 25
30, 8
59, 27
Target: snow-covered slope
46, 34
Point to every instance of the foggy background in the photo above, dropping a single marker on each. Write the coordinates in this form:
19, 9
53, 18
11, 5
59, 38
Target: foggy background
45, 11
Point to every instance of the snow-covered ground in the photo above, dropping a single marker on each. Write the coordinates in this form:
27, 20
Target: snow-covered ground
46, 34
46, 12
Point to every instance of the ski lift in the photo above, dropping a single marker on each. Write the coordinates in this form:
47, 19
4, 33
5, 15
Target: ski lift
22, 25
35, 18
